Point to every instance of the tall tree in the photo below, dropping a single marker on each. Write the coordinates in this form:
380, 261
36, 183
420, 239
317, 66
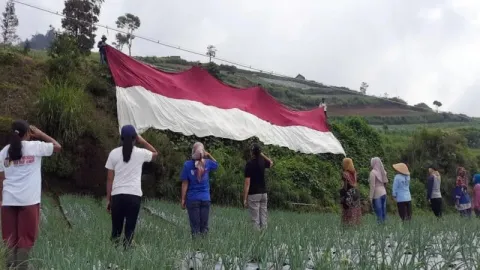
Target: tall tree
363, 88
80, 19
130, 23
211, 52
437, 104
122, 40
9, 23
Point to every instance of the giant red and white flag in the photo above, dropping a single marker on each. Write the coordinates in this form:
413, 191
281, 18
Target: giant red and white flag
195, 103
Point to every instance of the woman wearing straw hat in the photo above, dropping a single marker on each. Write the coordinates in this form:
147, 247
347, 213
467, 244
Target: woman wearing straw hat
401, 191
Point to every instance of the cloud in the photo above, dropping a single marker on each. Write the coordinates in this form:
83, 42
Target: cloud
420, 51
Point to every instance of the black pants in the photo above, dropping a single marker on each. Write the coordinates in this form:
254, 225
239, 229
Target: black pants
124, 209
436, 205
405, 210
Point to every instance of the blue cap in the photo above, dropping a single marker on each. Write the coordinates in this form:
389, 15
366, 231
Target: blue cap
128, 131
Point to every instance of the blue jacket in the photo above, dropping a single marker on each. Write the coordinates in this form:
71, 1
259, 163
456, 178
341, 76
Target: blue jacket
401, 188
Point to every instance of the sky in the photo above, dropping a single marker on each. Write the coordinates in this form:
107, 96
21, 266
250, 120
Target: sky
420, 51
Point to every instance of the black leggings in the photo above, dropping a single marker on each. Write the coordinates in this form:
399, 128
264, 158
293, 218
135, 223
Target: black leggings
405, 210
436, 205
124, 209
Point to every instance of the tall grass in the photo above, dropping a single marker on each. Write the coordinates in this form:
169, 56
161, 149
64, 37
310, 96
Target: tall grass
63, 110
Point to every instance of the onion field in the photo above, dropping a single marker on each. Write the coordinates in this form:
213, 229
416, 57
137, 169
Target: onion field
78, 238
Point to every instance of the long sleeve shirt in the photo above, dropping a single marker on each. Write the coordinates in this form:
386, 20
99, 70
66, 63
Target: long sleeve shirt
401, 188
433, 187
377, 188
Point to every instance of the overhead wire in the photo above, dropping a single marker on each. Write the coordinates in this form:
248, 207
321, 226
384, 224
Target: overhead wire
176, 47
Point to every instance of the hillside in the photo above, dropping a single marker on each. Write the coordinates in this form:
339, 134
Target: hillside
304, 95
73, 99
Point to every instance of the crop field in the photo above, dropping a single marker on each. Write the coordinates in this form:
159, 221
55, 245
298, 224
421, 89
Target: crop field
292, 241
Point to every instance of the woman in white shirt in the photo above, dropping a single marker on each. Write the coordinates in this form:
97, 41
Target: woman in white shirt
124, 188
21, 184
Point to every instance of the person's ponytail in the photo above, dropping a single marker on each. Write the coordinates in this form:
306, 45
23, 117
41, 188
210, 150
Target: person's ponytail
20, 129
15, 149
127, 148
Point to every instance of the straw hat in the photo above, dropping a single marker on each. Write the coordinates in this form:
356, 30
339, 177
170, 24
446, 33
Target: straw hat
401, 168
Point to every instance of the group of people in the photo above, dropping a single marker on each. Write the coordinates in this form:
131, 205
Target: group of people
351, 200
20, 183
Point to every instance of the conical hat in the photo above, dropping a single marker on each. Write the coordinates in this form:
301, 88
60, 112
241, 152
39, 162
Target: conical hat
401, 168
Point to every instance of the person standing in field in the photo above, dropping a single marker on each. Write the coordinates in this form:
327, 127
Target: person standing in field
476, 194
401, 191
21, 183
434, 195
462, 199
195, 177
378, 194
124, 188
350, 196
255, 191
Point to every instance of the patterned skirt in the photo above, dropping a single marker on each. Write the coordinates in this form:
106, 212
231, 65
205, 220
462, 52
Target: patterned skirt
352, 216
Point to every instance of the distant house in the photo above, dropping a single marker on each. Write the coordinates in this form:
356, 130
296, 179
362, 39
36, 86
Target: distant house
300, 77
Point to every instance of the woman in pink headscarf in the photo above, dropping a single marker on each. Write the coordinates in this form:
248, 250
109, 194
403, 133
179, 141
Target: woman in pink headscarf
378, 194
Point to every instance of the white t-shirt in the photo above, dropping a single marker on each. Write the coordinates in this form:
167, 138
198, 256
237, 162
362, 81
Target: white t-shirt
128, 175
324, 105
23, 178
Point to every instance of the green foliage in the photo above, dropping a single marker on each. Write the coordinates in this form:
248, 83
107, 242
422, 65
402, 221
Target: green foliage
62, 111
423, 106
130, 23
79, 22
9, 58
61, 165
9, 23
213, 69
98, 88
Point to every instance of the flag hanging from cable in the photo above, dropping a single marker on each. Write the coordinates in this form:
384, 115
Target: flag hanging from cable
195, 103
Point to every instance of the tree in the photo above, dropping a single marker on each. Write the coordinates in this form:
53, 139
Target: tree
121, 41
437, 104
9, 24
40, 41
130, 23
80, 19
363, 88
211, 52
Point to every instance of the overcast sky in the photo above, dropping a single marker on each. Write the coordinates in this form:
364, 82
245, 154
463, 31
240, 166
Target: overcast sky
418, 50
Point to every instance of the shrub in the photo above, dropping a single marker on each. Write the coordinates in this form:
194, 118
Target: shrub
98, 87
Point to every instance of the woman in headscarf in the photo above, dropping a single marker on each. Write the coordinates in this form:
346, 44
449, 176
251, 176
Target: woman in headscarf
378, 194
476, 194
401, 191
434, 195
352, 212
195, 178
462, 199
